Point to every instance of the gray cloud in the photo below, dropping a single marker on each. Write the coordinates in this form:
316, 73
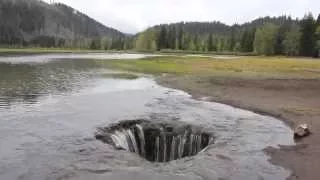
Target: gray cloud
132, 16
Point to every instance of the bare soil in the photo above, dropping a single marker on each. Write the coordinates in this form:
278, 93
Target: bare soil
294, 101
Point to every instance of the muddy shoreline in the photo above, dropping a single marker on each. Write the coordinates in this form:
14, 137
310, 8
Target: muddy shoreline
292, 100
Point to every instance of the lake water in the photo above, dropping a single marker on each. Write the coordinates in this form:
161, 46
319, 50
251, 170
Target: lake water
51, 106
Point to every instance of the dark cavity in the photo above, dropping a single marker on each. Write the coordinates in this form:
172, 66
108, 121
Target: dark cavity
157, 141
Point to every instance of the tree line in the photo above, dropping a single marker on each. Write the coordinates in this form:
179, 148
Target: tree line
34, 23
265, 36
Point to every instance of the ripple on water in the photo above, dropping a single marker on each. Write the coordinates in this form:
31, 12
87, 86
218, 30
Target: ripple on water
50, 111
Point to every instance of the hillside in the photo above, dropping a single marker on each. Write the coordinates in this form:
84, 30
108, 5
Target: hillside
268, 35
34, 23
39, 23
194, 35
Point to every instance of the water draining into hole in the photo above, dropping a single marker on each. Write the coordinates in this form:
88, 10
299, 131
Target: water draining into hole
156, 141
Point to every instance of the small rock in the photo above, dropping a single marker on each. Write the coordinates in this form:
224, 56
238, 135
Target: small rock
301, 131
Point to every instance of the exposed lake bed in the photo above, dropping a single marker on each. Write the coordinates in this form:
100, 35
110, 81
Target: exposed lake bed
50, 111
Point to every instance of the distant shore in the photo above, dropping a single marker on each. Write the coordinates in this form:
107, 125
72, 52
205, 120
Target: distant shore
34, 51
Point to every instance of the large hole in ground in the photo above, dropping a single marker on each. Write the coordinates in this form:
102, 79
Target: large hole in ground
156, 141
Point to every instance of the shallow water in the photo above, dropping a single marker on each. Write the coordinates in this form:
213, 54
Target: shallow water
49, 112
42, 58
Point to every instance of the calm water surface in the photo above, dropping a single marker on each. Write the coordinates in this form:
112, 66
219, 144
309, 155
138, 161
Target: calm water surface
51, 105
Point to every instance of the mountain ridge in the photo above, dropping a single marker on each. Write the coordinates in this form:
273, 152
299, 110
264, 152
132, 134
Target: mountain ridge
25, 21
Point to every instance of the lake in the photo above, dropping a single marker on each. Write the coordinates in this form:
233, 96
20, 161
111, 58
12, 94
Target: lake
51, 107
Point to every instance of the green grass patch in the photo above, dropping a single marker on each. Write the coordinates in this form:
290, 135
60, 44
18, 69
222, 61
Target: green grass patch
244, 66
121, 76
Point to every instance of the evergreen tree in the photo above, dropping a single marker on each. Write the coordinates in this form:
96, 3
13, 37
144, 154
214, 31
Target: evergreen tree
214, 44
226, 44
221, 44
180, 37
162, 38
317, 53
177, 45
317, 35
196, 43
232, 39
210, 43
307, 41
243, 41
187, 41
172, 38
281, 35
95, 44
247, 40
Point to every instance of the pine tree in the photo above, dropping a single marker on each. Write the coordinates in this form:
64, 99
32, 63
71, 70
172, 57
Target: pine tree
210, 43
162, 38
95, 44
232, 39
196, 43
221, 44
247, 40
279, 46
307, 41
317, 50
317, 35
172, 39
243, 41
177, 45
214, 44
186, 42
180, 37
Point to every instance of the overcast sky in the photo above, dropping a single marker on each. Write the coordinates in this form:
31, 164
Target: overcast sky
131, 16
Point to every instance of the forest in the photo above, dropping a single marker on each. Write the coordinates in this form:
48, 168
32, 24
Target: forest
34, 23
264, 36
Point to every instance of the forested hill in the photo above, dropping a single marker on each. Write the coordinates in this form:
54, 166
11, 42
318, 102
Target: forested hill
268, 35
219, 28
34, 22
194, 35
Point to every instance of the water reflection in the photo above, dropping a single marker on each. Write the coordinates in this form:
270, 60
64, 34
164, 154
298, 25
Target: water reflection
25, 83
50, 111
49, 57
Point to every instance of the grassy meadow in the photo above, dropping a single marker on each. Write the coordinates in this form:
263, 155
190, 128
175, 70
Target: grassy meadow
249, 67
